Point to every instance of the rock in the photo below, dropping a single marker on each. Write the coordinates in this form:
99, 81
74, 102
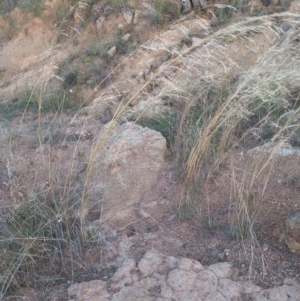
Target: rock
90, 82
222, 255
292, 244
159, 277
203, 3
137, 15
250, 288
222, 270
126, 37
123, 275
187, 7
293, 224
206, 282
190, 265
180, 280
97, 11
285, 26
151, 261
295, 7
142, 74
215, 296
196, 42
100, 21
230, 289
287, 150
128, 14
199, 4
145, 6
112, 51
265, 247
282, 293
89, 291
108, 8
127, 166
184, 49
292, 238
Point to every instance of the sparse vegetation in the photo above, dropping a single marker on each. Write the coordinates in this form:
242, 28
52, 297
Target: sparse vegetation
164, 11
39, 238
7, 5
116, 4
210, 118
55, 102
33, 6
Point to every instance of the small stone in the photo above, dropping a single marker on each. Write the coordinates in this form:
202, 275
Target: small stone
112, 51
285, 26
90, 82
265, 247
221, 270
108, 8
221, 256
203, 3
196, 41
142, 75
126, 37
100, 21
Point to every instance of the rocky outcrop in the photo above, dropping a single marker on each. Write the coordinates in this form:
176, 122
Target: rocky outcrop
127, 166
165, 278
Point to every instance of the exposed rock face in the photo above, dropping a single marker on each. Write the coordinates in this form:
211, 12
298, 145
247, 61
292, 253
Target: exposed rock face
127, 166
165, 278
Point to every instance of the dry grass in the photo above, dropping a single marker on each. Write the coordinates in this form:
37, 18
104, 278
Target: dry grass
233, 106
222, 105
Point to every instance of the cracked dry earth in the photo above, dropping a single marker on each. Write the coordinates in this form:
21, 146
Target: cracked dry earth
157, 277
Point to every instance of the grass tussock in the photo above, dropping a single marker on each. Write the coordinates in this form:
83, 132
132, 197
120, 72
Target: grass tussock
233, 106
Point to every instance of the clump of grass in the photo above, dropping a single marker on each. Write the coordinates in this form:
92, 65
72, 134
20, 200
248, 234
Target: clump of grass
39, 238
208, 221
167, 8
71, 79
62, 10
165, 124
29, 101
155, 18
163, 9
223, 15
187, 209
9, 29
33, 6
7, 6
219, 113
101, 49
116, 4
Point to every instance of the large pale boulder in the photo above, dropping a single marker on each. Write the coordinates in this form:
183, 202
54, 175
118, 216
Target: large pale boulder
127, 166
